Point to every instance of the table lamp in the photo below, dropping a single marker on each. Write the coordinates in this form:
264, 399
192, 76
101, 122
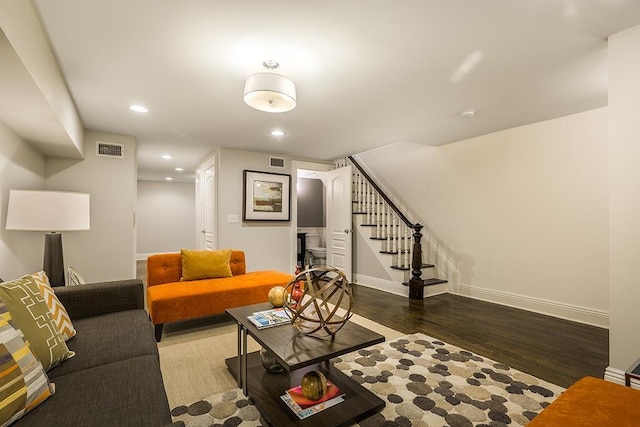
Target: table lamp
51, 211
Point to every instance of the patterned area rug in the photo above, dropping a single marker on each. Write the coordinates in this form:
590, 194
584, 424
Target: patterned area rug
424, 383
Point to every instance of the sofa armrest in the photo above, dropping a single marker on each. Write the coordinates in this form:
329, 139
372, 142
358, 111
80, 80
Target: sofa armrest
94, 299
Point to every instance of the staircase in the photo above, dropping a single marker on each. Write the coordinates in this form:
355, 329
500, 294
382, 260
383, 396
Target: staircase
398, 239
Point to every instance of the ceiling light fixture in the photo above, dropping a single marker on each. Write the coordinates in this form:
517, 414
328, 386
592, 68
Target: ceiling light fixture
270, 92
139, 109
168, 178
468, 113
179, 170
166, 157
277, 132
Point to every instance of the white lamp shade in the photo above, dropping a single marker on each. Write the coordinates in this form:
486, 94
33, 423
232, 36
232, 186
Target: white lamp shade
270, 92
48, 211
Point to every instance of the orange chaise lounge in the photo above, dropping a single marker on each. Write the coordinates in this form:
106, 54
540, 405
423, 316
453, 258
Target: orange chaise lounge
169, 299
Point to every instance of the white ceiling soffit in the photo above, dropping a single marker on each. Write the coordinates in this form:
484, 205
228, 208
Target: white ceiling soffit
35, 102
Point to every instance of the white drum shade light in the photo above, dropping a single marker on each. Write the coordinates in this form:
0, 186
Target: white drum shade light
270, 92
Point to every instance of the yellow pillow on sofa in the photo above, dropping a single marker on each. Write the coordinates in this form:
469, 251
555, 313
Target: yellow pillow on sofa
205, 264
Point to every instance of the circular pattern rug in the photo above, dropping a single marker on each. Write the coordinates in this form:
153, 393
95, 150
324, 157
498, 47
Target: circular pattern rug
424, 383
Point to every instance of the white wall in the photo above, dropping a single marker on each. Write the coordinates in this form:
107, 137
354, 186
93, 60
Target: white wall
21, 168
165, 217
624, 177
106, 252
524, 211
267, 245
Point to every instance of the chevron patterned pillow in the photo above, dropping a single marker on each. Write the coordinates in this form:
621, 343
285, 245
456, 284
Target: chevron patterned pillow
29, 312
58, 312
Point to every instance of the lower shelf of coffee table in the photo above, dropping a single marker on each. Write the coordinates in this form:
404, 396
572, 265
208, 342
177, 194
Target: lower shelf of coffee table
265, 390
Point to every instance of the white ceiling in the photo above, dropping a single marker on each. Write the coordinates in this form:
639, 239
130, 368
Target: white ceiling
368, 72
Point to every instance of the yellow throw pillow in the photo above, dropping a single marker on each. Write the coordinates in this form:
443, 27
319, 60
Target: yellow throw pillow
205, 264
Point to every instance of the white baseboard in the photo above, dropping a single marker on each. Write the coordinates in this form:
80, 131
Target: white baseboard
617, 376
575, 313
614, 375
396, 288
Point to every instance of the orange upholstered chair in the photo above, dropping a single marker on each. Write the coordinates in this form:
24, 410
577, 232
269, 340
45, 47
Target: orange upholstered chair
592, 402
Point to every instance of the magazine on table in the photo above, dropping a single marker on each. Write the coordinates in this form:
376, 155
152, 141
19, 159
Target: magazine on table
303, 407
268, 318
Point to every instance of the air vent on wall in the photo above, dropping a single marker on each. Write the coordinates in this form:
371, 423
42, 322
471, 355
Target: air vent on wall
276, 162
109, 149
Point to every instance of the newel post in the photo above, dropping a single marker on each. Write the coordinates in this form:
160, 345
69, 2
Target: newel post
416, 287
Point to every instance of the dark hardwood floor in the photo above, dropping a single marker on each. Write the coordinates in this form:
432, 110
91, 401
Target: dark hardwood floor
556, 350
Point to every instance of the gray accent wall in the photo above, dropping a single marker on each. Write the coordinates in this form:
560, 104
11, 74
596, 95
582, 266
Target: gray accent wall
311, 203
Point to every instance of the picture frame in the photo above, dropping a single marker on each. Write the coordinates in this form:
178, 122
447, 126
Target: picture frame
266, 196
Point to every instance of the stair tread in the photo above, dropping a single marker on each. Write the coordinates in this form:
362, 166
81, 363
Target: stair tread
399, 267
429, 282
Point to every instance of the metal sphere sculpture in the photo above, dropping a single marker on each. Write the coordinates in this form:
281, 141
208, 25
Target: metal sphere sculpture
320, 301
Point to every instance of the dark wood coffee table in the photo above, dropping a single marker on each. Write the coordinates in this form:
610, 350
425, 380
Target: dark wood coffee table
298, 354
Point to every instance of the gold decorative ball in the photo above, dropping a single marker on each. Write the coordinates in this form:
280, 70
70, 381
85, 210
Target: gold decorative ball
313, 385
276, 296
326, 303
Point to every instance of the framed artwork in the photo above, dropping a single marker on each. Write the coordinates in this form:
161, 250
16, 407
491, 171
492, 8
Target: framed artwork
266, 196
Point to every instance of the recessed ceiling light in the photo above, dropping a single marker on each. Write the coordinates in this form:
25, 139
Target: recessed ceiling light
139, 109
468, 113
168, 178
179, 170
166, 157
277, 132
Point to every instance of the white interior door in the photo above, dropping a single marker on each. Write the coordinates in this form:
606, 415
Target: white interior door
209, 207
339, 235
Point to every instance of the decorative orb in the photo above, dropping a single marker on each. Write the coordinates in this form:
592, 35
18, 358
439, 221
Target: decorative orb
276, 296
326, 302
313, 385
269, 362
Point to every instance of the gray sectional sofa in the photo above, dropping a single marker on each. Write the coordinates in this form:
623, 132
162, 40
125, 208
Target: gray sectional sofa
114, 379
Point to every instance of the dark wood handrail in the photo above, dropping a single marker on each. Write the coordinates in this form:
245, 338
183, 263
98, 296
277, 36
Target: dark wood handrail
384, 196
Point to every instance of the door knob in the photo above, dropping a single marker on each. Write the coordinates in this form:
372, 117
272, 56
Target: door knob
346, 231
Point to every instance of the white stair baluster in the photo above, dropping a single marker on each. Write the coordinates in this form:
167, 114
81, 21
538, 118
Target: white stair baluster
386, 228
379, 217
396, 226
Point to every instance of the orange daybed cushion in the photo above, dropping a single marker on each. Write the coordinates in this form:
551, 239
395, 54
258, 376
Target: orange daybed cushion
167, 268
169, 299
592, 402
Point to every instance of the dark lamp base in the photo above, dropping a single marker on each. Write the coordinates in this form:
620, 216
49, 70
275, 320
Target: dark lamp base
53, 263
